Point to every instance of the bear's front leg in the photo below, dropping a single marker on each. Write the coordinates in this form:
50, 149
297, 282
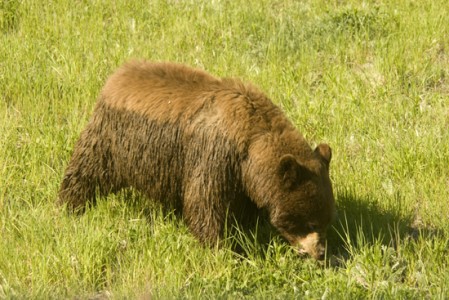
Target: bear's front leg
204, 211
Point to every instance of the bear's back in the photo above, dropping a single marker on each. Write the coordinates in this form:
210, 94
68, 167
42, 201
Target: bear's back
161, 88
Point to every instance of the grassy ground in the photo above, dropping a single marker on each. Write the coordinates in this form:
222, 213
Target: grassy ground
371, 79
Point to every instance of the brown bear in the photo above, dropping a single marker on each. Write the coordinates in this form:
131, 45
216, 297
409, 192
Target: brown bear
209, 147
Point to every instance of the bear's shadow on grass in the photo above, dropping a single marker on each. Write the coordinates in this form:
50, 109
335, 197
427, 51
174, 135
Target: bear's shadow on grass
362, 222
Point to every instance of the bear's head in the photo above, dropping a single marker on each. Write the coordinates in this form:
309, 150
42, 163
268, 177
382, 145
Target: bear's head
305, 203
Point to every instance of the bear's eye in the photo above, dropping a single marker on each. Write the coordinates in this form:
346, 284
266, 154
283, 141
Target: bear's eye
312, 227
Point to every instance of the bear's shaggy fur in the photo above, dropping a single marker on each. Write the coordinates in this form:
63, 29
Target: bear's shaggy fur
209, 147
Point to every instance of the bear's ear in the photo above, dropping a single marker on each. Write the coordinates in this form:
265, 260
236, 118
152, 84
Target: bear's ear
290, 171
325, 153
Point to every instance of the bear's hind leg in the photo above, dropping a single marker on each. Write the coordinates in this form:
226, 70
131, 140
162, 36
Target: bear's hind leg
88, 174
76, 190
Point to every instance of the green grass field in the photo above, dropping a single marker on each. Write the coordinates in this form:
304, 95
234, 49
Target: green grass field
371, 79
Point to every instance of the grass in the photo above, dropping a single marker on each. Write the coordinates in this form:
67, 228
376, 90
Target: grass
369, 78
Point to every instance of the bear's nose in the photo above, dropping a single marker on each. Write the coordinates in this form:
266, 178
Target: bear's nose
320, 253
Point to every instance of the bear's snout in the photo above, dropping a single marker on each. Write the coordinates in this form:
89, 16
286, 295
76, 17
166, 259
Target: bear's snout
312, 244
